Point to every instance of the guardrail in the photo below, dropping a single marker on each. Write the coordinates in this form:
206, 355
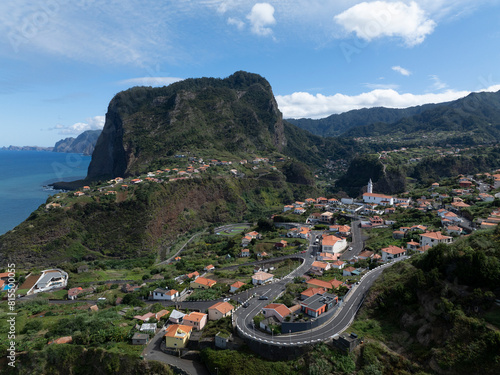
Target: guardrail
273, 341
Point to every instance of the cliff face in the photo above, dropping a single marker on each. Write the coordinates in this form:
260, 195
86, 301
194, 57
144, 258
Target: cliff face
237, 115
83, 144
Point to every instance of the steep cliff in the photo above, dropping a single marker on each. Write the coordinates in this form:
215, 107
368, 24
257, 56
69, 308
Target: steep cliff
236, 116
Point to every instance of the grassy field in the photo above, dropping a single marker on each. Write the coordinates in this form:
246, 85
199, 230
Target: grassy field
234, 231
104, 275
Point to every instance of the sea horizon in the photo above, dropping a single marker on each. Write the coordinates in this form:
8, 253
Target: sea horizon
25, 179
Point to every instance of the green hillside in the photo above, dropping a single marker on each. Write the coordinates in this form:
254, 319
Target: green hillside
438, 309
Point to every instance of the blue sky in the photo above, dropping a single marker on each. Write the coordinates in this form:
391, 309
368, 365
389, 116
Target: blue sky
62, 61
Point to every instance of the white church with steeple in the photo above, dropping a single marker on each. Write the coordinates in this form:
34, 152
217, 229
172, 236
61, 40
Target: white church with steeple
381, 199
378, 199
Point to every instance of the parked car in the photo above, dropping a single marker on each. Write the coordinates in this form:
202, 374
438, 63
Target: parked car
263, 297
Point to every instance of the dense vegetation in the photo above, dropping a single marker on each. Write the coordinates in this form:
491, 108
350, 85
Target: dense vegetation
337, 124
146, 223
438, 309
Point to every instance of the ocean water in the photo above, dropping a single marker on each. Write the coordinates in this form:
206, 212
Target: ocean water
23, 175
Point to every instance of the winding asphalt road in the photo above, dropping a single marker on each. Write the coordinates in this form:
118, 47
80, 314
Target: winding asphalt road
340, 321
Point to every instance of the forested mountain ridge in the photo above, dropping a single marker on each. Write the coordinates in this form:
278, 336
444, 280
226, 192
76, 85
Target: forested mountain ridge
474, 119
337, 124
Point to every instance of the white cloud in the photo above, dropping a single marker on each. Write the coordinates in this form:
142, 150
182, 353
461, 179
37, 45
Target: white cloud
493, 88
437, 83
92, 123
150, 81
387, 19
303, 104
401, 70
236, 22
261, 16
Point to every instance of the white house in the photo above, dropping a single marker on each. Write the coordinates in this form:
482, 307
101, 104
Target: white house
333, 244
392, 252
378, 199
262, 278
433, 238
159, 294
339, 264
318, 266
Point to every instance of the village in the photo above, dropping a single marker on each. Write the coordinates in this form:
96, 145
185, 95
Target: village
190, 298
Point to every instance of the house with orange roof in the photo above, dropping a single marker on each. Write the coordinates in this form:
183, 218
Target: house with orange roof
320, 267
245, 241
454, 229
177, 335
332, 284
299, 210
311, 292
196, 320
412, 245
348, 271
235, 286
202, 283
433, 238
344, 230
398, 234
328, 257
253, 235
220, 310
333, 244
288, 207
160, 294
245, 253
278, 310
145, 317
310, 201
336, 283
193, 275
365, 254
210, 267
78, 193
281, 244
339, 264
392, 252
314, 283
